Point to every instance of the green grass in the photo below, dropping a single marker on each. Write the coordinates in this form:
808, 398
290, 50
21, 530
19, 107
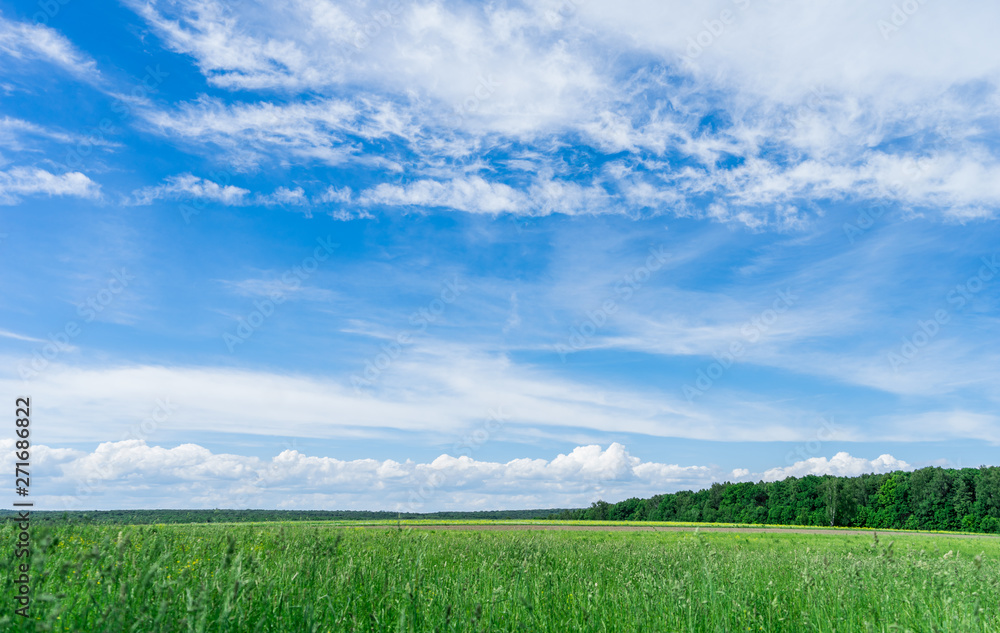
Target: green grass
591, 523
321, 578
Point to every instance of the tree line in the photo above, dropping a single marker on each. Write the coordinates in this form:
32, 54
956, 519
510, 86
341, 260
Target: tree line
138, 517
966, 499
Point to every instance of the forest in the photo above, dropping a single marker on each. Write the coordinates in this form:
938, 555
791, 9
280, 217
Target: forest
927, 499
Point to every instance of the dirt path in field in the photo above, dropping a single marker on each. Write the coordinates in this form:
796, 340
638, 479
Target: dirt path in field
660, 528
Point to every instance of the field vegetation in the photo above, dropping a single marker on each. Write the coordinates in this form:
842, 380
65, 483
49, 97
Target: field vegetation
317, 577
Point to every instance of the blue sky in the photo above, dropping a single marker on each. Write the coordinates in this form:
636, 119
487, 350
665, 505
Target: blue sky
445, 255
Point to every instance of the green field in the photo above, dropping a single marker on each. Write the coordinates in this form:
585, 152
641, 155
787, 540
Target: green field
318, 577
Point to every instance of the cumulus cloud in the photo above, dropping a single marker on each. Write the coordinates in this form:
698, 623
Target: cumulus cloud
18, 182
841, 465
132, 468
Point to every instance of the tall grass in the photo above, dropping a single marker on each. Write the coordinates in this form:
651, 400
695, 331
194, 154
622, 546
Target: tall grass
312, 578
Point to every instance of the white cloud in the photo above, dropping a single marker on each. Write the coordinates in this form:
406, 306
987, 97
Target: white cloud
189, 475
443, 392
187, 186
324, 130
786, 49
341, 199
22, 40
211, 33
12, 130
439, 392
841, 465
350, 214
190, 187
943, 426
804, 116
953, 183
18, 182
335, 194
474, 195
482, 64
20, 337
283, 196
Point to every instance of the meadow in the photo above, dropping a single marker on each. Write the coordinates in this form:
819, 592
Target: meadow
321, 577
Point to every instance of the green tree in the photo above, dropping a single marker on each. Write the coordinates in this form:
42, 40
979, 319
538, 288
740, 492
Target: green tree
830, 490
